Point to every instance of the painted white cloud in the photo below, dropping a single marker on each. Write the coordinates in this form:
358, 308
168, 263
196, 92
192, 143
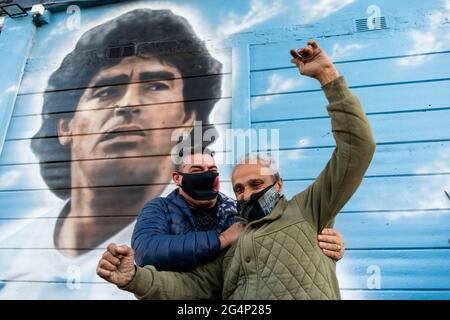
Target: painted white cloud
339, 51
295, 154
432, 191
276, 84
12, 88
9, 178
429, 40
303, 142
440, 183
259, 12
312, 10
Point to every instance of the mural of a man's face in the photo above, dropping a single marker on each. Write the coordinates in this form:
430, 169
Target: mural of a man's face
120, 116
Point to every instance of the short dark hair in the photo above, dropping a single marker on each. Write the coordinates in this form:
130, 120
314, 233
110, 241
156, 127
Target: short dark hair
190, 151
158, 34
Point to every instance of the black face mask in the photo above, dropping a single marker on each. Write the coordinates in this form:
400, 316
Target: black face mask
259, 205
200, 186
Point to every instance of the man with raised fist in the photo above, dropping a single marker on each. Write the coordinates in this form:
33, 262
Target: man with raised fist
277, 255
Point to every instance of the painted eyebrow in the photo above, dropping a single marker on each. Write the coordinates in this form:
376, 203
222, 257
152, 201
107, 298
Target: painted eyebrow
124, 79
108, 81
156, 75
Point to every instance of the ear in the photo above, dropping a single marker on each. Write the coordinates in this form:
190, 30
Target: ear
64, 132
189, 119
176, 178
279, 185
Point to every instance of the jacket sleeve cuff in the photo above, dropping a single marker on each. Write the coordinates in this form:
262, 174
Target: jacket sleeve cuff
336, 90
214, 242
141, 283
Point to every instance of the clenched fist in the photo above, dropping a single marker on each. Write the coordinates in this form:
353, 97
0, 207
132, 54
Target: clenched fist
117, 265
313, 62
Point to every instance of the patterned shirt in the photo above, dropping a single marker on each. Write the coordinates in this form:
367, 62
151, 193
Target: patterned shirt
206, 219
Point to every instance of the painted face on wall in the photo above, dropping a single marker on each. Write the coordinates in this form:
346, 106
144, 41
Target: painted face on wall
121, 115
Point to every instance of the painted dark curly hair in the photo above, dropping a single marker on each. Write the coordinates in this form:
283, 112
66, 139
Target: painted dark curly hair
145, 33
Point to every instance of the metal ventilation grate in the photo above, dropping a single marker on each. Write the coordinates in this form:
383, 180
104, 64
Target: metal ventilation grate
122, 51
371, 24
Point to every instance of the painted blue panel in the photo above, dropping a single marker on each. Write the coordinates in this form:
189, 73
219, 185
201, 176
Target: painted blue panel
395, 229
397, 98
387, 128
395, 294
391, 193
362, 46
15, 45
364, 73
17, 152
67, 287
241, 98
398, 269
393, 159
27, 203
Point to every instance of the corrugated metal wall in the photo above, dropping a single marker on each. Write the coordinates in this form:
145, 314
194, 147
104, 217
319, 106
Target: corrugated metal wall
396, 227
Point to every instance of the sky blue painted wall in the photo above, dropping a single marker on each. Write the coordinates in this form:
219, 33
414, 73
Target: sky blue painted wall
397, 225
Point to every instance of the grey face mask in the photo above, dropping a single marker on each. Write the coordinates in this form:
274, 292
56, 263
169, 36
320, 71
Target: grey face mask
259, 205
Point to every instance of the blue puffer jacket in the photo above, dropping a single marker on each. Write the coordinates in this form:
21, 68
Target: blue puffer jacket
165, 236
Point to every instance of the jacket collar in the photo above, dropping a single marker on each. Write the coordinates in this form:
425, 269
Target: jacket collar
180, 202
276, 213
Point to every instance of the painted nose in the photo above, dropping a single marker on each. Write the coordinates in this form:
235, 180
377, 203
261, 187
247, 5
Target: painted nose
126, 111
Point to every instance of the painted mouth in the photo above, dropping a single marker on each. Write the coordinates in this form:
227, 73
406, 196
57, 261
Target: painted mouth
123, 133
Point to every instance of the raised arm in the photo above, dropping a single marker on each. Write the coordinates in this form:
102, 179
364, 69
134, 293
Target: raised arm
355, 144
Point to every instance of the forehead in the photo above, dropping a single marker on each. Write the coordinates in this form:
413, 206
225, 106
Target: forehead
136, 66
199, 159
245, 172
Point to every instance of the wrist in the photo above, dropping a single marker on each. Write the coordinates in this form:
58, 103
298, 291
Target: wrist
223, 242
131, 276
128, 279
327, 75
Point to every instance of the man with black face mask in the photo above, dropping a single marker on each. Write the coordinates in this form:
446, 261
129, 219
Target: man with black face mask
194, 223
277, 255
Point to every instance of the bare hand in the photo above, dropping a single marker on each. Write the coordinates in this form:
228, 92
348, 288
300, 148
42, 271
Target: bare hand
231, 235
332, 243
117, 265
313, 62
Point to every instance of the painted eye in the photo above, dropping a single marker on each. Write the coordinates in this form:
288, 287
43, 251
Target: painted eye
105, 93
157, 86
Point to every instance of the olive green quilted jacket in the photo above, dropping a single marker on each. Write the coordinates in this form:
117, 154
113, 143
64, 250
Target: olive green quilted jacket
277, 257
